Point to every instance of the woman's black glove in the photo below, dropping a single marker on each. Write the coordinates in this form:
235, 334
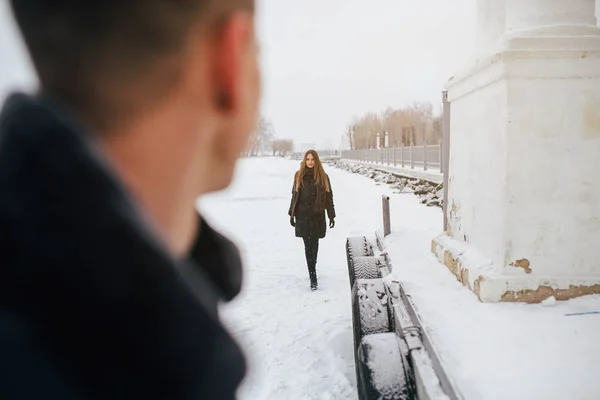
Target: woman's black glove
292, 223
331, 223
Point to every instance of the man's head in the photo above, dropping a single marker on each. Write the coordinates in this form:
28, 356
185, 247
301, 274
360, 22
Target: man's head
121, 63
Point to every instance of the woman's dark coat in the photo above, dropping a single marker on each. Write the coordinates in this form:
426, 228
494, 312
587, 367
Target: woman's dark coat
308, 206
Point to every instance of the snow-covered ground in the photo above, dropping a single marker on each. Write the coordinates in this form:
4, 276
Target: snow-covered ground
494, 351
299, 343
497, 351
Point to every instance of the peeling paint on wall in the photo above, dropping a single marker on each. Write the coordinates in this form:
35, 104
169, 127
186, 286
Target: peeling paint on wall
522, 263
543, 292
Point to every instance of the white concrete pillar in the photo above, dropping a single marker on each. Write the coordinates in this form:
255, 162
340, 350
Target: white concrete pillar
491, 24
550, 17
522, 210
525, 14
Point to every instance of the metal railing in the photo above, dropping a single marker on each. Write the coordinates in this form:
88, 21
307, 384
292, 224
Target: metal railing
325, 154
425, 157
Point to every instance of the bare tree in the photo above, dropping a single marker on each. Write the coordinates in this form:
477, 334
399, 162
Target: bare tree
261, 138
351, 137
282, 147
415, 124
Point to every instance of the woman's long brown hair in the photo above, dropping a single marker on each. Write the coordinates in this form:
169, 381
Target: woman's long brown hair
320, 176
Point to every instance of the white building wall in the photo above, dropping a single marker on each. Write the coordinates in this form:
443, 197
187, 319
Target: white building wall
553, 176
524, 187
477, 180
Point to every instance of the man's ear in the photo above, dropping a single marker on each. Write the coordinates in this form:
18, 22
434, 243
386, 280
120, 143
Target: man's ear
232, 40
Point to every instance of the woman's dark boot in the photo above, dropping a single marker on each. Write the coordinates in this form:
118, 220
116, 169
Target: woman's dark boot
312, 273
313, 280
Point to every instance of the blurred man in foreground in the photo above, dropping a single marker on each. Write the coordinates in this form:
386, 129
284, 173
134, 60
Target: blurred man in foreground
109, 279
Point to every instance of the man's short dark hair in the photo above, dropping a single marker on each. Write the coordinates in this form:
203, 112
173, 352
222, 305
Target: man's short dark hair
101, 56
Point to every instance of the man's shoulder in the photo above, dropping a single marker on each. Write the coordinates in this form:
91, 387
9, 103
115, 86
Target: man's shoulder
60, 287
28, 371
13, 327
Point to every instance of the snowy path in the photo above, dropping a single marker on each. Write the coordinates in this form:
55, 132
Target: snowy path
299, 343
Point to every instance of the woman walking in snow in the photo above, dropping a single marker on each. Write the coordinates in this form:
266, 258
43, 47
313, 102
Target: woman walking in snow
311, 196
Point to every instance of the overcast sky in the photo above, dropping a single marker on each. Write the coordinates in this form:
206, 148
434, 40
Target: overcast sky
327, 61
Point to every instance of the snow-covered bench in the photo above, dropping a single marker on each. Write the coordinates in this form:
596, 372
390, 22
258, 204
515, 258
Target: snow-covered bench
394, 358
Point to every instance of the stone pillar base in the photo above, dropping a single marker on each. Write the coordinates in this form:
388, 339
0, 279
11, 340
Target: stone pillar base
574, 38
477, 273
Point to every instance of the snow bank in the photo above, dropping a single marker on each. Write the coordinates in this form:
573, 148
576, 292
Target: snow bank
429, 193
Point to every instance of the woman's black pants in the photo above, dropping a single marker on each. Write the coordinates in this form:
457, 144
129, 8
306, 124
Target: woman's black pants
311, 248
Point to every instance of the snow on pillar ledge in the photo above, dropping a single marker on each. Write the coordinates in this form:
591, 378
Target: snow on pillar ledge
524, 220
